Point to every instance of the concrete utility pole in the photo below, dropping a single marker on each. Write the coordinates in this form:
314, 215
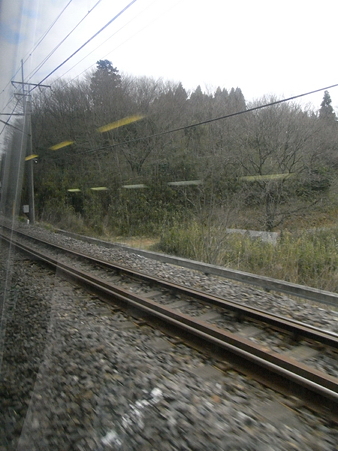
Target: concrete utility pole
30, 170
27, 144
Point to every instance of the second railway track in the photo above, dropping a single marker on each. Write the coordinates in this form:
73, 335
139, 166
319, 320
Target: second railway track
232, 328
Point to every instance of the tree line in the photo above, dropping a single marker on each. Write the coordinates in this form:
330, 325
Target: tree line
275, 161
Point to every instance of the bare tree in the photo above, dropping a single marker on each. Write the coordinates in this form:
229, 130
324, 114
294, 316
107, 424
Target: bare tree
273, 155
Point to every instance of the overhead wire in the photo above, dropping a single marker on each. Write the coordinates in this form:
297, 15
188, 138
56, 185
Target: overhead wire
47, 31
110, 37
11, 125
43, 37
53, 51
37, 44
31, 75
146, 26
42, 63
87, 42
9, 101
163, 132
10, 115
6, 86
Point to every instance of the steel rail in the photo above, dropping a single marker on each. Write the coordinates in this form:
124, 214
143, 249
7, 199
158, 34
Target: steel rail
297, 328
312, 379
267, 283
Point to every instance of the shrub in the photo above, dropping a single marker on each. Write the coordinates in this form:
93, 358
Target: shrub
309, 258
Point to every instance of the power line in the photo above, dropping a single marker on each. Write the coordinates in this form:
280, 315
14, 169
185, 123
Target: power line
37, 44
10, 83
10, 125
146, 26
10, 116
89, 40
112, 37
61, 42
9, 101
47, 31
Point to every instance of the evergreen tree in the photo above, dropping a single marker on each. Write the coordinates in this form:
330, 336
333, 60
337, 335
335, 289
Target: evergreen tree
200, 105
236, 100
221, 95
180, 93
326, 110
105, 80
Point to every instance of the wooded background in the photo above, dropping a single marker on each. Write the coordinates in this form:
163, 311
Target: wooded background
255, 169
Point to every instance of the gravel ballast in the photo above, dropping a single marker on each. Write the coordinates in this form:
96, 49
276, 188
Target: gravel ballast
76, 374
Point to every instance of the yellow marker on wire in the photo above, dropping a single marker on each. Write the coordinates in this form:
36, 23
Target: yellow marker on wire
31, 157
120, 123
62, 144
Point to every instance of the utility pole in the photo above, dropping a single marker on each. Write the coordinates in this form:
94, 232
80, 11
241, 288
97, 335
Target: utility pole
27, 139
30, 170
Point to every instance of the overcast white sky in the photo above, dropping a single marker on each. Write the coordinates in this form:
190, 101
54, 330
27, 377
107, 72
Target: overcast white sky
261, 46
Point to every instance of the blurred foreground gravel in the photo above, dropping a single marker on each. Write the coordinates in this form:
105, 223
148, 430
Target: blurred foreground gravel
77, 375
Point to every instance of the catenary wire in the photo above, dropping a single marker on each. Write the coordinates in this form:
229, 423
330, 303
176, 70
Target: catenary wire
6, 86
47, 31
11, 125
110, 37
146, 26
37, 44
87, 42
10, 116
31, 75
9, 101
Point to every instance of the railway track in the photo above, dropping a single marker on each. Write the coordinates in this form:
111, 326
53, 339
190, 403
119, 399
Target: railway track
239, 334
263, 282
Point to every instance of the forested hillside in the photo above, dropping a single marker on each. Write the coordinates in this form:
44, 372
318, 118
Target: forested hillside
275, 161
